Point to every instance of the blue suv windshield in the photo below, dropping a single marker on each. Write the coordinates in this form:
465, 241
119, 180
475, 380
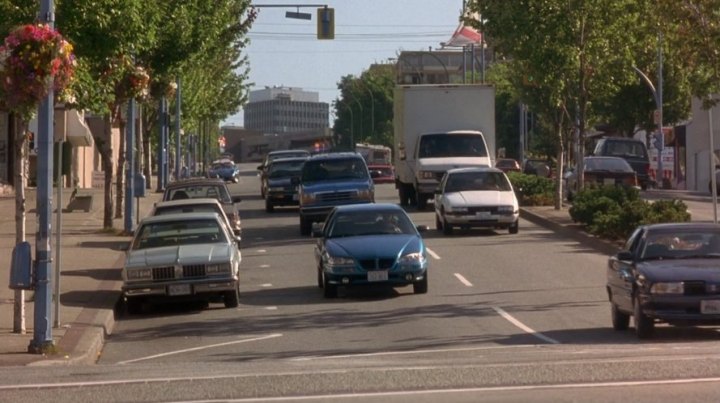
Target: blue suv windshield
334, 169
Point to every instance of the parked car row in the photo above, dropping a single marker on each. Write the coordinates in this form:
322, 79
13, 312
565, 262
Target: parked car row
187, 248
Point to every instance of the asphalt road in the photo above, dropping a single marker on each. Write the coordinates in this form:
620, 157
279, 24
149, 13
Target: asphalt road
507, 318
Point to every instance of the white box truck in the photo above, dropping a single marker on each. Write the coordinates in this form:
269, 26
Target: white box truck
439, 127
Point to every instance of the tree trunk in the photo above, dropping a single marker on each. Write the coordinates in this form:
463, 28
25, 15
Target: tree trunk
20, 165
558, 198
120, 173
105, 150
147, 129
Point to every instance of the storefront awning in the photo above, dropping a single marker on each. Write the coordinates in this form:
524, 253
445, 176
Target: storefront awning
78, 132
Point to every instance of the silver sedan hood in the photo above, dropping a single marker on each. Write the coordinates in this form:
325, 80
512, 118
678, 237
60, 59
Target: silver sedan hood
183, 254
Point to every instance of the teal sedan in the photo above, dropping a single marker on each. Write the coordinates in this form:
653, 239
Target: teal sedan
370, 244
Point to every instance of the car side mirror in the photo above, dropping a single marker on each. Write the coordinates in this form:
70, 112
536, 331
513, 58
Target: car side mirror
317, 229
625, 255
295, 180
374, 174
422, 228
260, 167
236, 199
238, 238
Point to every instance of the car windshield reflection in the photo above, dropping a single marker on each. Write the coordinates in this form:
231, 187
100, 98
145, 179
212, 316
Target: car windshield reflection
370, 223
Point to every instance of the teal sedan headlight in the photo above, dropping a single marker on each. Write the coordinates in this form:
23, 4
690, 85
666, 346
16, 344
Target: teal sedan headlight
412, 258
668, 288
218, 268
139, 274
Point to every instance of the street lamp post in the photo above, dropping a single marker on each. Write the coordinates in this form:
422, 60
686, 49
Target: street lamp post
658, 96
352, 135
372, 108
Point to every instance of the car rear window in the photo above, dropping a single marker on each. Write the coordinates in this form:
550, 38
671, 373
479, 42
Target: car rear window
198, 191
176, 233
204, 208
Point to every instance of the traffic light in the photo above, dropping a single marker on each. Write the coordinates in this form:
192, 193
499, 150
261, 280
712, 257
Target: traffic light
326, 23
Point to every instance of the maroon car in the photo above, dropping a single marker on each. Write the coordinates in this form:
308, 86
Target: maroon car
507, 165
384, 173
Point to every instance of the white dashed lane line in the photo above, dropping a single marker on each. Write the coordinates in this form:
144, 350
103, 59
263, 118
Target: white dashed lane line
432, 253
463, 280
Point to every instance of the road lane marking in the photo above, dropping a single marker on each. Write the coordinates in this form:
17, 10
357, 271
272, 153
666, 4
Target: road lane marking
486, 389
266, 285
404, 352
187, 350
524, 327
264, 266
432, 253
463, 280
262, 251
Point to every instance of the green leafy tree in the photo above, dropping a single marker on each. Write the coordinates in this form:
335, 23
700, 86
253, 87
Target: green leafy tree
566, 55
692, 30
366, 103
105, 33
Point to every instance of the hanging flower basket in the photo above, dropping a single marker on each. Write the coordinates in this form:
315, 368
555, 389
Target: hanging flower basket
33, 60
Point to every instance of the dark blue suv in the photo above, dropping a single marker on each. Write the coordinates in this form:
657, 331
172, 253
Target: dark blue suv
329, 180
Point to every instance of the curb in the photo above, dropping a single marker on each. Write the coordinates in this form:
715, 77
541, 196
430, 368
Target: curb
571, 231
83, 342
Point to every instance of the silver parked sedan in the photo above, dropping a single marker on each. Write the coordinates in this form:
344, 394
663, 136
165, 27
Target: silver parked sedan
179, 257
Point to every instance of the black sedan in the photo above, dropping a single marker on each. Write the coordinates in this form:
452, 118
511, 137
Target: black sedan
667, 273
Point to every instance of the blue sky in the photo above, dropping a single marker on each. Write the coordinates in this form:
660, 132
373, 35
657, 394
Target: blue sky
285, 52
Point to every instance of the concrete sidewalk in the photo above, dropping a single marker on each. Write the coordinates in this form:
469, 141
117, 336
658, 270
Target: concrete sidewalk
90, 280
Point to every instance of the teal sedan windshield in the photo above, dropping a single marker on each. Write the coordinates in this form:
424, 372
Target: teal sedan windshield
370, 223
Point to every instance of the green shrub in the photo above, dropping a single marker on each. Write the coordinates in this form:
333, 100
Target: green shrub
532, 190
614, 212
667, 211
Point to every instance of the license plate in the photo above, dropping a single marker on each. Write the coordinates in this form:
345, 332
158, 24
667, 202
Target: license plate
179, 289
482, 214
710, 306
378, 275
609, 181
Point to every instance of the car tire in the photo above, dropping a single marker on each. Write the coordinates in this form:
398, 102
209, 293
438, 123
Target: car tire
232, 298
269, 207
515, 228
305, 226
403, 194
134, 306
644, 326
438, 223
620, 320
421, 201
447, 229
329, 290
421, 287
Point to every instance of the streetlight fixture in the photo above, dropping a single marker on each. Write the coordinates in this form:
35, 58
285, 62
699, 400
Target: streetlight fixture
658, 96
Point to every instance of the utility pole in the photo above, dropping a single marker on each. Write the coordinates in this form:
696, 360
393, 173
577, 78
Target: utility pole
177, 129
130, 163
42, 341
